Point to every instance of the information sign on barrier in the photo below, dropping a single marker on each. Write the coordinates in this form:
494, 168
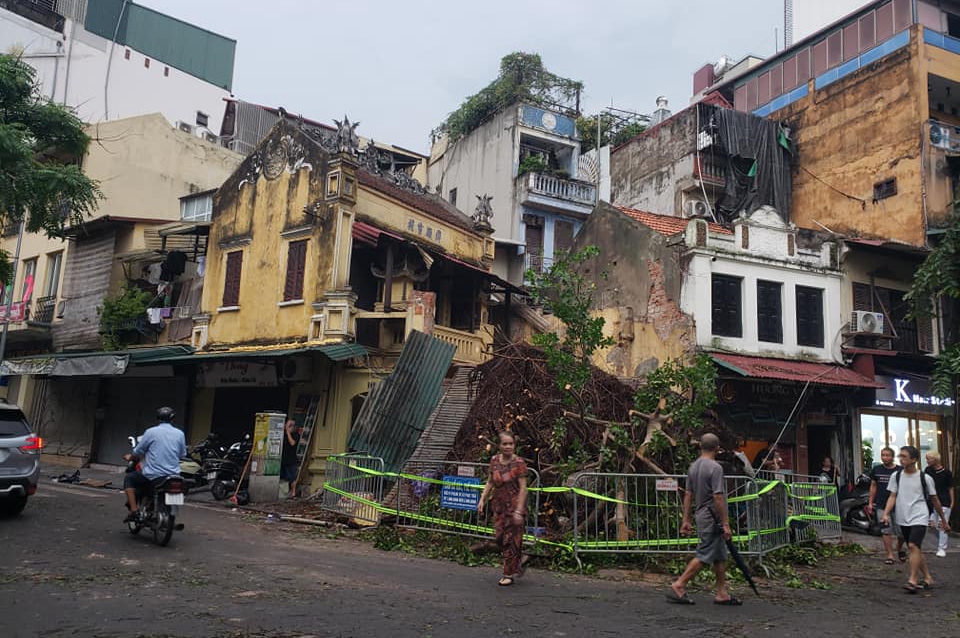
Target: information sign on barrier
667, 485
460, 498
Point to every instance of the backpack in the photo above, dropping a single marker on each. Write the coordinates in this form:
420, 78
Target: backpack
923, 486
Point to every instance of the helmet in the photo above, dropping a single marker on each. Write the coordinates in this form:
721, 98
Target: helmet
165, 414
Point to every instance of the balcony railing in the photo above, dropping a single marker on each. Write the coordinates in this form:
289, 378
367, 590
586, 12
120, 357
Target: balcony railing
43, 309
471, 347
566, 189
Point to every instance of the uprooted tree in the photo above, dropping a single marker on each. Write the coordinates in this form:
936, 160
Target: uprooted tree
569, 416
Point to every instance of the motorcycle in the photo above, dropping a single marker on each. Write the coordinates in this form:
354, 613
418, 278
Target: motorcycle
853, 508
201, 464
158, 506
225, 473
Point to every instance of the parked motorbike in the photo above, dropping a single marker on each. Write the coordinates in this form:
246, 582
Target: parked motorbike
158, 506
853, 508
228, 471
202, 462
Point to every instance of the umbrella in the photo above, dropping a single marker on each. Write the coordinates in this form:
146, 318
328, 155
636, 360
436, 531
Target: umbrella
737, 558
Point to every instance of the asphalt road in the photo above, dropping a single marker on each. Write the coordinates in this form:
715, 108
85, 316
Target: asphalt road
68, 567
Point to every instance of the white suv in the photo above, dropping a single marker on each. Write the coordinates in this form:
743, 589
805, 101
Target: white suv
19, 460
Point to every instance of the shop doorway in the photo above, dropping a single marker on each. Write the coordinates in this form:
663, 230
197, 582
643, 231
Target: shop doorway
890, 429
821, 442
234, 409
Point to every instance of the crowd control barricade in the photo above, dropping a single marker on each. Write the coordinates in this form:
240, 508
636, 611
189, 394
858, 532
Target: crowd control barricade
353, 487
642, 513
442, 496
813, 508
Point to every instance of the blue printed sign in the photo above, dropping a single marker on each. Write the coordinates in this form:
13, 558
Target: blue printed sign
460, 498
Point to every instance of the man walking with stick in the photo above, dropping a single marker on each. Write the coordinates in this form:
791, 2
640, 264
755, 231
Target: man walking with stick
706, 498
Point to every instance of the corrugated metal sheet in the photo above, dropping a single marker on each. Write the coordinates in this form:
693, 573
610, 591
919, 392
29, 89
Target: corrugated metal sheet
201, 53
799, 371
395, 414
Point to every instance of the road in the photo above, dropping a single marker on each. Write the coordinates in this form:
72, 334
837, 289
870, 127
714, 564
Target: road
68, 567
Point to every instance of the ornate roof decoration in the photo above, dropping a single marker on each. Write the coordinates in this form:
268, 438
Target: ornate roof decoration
482, 213
347, 139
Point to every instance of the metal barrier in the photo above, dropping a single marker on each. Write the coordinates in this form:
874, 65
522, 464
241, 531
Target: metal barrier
442, 496
354, 486
641, 513
812, 505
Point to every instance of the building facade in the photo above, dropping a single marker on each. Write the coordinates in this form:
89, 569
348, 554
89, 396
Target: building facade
525, 159
110, 59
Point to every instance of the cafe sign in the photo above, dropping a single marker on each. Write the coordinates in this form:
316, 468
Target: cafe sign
912, 394
232, 374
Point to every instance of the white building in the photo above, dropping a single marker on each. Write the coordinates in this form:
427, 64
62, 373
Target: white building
526, 158
760, 292
109, 59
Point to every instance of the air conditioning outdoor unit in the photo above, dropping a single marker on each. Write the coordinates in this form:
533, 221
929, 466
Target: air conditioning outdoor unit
940, 136
296, 369
696, 208
186, 127
210, 137
867, 322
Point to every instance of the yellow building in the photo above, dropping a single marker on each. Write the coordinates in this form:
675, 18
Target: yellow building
320, 263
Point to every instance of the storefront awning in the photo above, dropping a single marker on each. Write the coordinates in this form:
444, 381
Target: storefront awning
796, 371
68, 365
333, 351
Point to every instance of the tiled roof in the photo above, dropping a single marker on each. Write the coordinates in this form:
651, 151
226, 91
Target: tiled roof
667, 224
798, 371
428, 203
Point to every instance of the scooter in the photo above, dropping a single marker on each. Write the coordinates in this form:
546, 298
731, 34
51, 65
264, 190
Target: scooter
158, 506
853, 508
229, 470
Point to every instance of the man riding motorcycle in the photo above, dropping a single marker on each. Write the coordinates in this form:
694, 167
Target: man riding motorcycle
161, 448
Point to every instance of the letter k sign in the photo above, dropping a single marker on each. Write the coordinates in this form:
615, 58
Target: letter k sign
901, 385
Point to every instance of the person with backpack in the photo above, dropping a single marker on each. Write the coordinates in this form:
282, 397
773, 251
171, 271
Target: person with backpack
913, 493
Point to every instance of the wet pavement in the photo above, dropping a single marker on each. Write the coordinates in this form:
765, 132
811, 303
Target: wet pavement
68, 567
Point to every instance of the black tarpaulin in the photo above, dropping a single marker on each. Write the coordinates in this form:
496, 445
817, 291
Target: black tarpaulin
758, 157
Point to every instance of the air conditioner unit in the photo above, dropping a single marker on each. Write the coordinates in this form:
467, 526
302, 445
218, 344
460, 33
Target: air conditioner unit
210, 137
696, 208
940, 135
296, 369
866, 322
186, 127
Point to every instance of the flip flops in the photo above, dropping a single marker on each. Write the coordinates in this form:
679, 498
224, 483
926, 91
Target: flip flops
902, 555
888, 561
733, 601
506, 581
680, 600
910, 588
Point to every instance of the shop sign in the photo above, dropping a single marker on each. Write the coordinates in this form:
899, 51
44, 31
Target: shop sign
902, 393
230, 374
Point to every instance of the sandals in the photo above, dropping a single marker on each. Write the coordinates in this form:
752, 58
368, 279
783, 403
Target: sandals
888, 561
902, 555
523, 566
910, 588
506, 581
680, 600
733, 601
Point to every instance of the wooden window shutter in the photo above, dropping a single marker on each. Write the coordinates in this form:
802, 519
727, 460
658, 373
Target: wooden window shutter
296, 264
562, 237
231, 280
925, 334
809, 316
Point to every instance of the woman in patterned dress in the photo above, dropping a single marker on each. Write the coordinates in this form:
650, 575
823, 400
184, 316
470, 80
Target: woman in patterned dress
508, 482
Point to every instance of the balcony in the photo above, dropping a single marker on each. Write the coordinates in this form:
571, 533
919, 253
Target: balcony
550, 192
471, 347
43, 309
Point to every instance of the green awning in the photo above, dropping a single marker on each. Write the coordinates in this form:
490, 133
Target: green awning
182, 354
343, 351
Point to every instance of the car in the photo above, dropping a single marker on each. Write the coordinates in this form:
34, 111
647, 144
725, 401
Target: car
19, 460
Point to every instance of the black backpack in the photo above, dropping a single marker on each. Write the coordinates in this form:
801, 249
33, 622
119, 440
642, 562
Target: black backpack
923, 486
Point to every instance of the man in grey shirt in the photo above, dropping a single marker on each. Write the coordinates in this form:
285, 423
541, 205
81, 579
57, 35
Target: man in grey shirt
705, 492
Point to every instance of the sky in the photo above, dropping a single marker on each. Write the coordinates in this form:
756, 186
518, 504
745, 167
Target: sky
399, 68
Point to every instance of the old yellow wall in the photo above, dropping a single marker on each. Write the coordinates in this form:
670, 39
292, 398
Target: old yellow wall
261, 219
651, 344
857, 132
395, 215
940, 193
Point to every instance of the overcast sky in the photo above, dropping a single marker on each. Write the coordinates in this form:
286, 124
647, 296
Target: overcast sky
401, 67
